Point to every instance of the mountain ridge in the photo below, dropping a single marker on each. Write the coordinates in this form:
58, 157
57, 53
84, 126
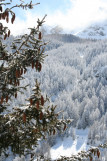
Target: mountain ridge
95, 31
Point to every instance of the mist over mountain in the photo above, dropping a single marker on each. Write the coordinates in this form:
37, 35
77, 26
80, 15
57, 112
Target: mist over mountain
97, 30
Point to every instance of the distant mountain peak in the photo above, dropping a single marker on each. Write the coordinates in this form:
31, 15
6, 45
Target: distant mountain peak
95, 31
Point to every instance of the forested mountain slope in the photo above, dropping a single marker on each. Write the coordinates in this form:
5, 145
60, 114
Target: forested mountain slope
74, 76
66, 38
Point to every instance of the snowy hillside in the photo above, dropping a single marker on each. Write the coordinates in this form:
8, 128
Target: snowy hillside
74, 76
95, 31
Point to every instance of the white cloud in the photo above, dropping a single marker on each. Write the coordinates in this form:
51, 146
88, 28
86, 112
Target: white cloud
21, 26
81, 14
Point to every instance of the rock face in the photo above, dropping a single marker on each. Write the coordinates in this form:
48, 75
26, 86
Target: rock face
95, 31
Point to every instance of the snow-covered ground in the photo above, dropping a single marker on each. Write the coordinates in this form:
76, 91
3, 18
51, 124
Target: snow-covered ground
65, 147
68, 146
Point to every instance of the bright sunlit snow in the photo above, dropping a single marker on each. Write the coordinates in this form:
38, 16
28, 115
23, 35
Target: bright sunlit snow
68, 146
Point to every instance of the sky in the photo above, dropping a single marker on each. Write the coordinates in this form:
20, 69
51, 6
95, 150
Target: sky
71, 15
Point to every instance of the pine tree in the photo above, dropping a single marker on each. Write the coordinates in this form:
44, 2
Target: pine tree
21, 128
